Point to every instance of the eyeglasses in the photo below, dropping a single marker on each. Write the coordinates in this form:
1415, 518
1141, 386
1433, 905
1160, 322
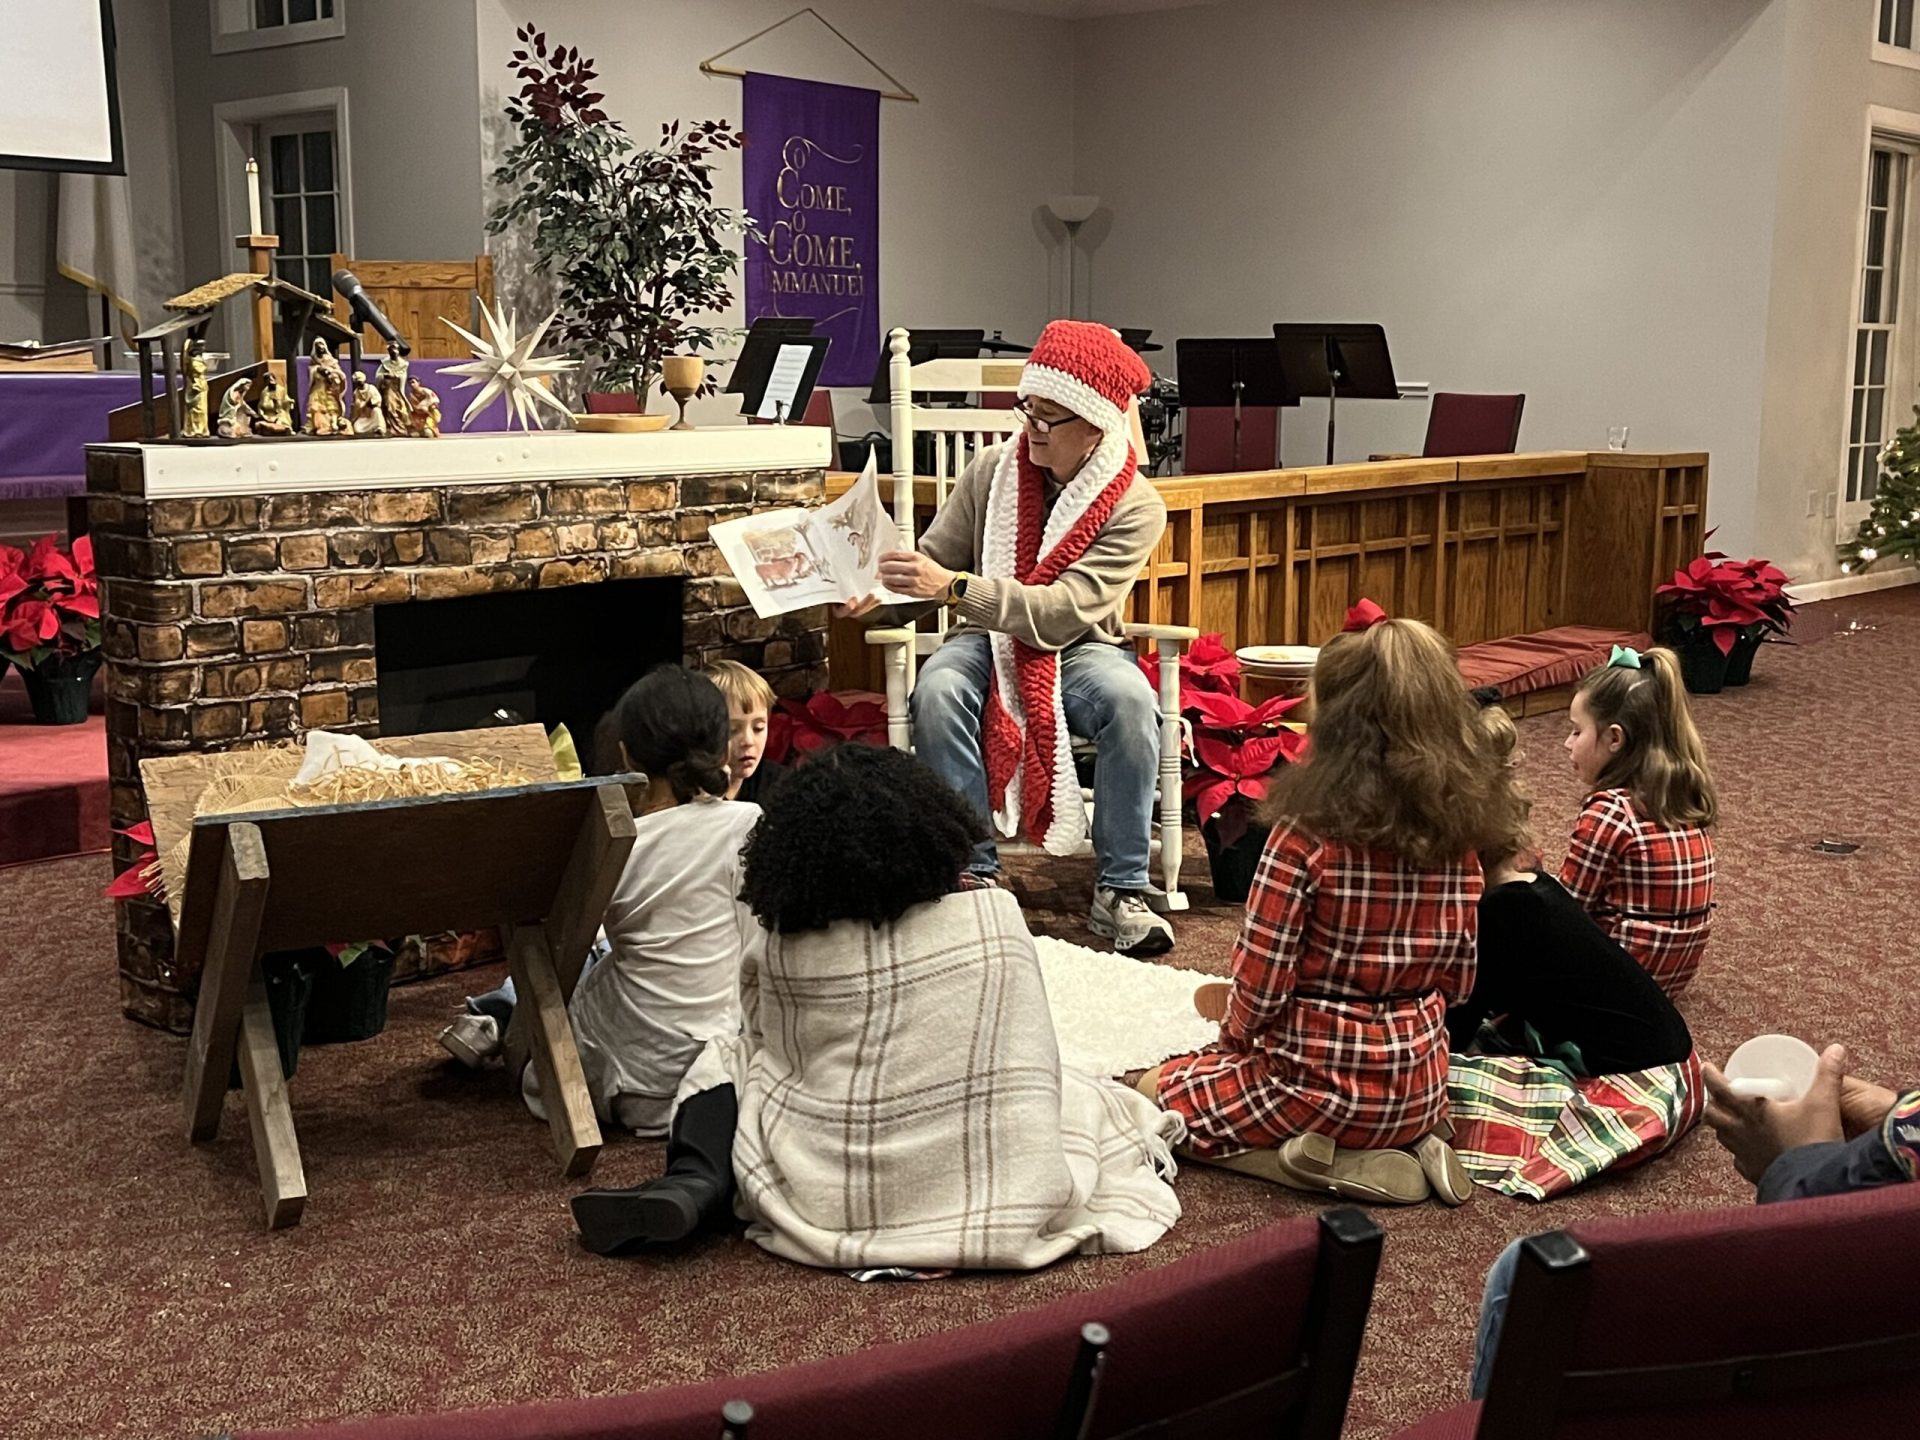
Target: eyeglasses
1041, 425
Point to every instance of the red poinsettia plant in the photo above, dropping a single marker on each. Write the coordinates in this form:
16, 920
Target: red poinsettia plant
1726, 600
49, 602
1231, 747
798, 728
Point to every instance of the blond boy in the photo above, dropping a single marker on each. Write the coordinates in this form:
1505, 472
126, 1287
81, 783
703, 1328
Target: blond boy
749, 704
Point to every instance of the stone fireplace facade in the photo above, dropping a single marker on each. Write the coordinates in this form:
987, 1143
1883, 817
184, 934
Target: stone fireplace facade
249, 619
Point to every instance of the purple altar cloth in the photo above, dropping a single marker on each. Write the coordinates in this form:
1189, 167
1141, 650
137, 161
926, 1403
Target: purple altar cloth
47, 421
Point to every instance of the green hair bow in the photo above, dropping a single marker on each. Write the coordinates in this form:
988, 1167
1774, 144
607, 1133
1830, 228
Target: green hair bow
1625, 656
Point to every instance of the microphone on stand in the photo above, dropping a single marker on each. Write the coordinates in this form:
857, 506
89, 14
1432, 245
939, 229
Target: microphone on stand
348, 287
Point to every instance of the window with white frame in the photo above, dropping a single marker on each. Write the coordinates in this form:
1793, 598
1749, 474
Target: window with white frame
1896, 23
253, 24
1882, 382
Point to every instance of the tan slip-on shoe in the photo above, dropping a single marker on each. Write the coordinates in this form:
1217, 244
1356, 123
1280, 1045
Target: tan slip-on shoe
1448, 1177
1372, 1177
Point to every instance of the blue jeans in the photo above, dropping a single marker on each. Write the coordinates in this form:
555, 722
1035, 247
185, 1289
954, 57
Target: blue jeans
1493, 1314
1108, 701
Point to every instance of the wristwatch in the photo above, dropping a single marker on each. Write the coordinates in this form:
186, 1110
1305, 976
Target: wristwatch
957, 588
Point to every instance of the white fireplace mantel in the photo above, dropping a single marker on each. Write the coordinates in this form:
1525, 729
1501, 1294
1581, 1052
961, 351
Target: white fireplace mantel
272, 467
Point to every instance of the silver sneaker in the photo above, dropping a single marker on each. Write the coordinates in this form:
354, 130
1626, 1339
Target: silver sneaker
1125, 918
473, 1040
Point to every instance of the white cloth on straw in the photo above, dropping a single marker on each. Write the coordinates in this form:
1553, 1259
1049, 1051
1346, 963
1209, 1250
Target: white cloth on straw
902, 1102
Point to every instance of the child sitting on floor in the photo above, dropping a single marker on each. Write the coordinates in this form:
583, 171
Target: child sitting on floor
1547, 968
749, 705
1641, 858
676, 931
1358, 935
897, 1098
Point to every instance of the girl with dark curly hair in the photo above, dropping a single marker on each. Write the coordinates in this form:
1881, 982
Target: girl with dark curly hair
669, 981
899, 1067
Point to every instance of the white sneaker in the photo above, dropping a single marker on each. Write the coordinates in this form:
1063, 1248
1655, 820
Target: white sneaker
1125, 918
473, 1040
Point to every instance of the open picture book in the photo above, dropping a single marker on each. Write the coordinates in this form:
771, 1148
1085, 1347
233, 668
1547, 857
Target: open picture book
787, 560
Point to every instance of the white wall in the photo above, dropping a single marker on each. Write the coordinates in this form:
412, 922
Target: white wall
1573, 198
413, 125
1830, 79
963, 173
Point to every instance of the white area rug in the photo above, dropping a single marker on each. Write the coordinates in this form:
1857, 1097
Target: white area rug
1114, 1013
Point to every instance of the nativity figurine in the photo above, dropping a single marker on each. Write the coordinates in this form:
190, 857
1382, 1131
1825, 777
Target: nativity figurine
236, 415
391, 381
369, 414
193, 366
326, 393
423, 411
275, 416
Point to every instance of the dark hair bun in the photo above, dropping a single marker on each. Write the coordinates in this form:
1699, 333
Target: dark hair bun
673, 723
702, 771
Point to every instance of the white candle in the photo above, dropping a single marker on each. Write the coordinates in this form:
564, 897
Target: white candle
253, 196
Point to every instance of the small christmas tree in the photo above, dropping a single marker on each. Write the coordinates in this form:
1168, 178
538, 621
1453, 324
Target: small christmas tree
1892, 528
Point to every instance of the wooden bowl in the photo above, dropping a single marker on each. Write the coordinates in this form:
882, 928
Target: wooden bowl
620, 424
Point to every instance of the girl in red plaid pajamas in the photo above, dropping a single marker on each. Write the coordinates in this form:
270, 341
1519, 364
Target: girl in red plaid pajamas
1641, 858
1359, 933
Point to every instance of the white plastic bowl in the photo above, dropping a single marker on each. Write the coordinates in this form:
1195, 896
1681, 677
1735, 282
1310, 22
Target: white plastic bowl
1780, 1067
1286, 658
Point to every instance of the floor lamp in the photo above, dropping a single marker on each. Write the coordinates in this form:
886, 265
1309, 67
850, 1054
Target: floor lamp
1072, 211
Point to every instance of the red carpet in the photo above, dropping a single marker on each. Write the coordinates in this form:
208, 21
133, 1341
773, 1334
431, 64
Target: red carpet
436, 1266
53, 782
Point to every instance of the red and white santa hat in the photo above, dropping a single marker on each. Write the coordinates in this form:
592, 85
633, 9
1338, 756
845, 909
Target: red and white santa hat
1087, 368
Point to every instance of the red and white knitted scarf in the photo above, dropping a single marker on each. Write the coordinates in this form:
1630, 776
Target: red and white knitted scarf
1031, 784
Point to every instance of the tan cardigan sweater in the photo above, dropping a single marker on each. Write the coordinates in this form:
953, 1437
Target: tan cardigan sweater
1088, 599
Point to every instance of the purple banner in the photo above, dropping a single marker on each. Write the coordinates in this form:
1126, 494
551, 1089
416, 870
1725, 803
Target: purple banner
812, 184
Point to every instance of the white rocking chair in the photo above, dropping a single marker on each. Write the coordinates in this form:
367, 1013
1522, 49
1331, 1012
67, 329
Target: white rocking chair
958, 436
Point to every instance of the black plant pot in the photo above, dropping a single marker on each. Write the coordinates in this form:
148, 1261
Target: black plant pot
1233, 862
1740, 659
58, 688
350, 1001
1703, 665
289, 979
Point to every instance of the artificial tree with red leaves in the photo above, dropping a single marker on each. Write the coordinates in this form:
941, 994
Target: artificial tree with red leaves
50, 624
633, 236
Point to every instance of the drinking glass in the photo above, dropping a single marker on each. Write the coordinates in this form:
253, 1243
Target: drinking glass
1616, 437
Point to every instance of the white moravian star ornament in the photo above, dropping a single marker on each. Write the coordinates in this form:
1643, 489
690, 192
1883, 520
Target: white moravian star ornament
505, 362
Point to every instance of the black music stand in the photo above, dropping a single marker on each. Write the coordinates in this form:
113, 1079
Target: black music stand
1341, 362
757, 355
922, 346
1136, 340
753, 401
1233, 373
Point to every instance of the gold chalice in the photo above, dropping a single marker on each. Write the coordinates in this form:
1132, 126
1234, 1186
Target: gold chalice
681, 375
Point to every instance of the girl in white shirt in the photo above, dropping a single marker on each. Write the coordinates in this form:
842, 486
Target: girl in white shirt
671, 979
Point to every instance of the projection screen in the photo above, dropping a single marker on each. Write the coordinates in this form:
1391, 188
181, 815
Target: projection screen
59, 104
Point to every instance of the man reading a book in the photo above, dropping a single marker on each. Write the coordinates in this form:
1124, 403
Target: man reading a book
1034, 551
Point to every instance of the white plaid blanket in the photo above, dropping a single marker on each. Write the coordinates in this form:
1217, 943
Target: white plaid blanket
902, 1103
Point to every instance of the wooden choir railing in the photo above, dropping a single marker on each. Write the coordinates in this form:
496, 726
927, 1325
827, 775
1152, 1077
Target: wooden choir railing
1480, 547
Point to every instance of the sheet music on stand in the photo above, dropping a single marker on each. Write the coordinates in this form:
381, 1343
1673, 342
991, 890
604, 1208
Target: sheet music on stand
786, 383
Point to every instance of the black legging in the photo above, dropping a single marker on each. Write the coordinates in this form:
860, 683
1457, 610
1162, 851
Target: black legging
1544, 961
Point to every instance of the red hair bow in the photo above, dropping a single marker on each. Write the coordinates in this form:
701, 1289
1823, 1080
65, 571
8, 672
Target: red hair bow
1364, 616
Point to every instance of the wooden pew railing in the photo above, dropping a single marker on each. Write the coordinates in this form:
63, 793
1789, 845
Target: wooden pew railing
1480, 547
